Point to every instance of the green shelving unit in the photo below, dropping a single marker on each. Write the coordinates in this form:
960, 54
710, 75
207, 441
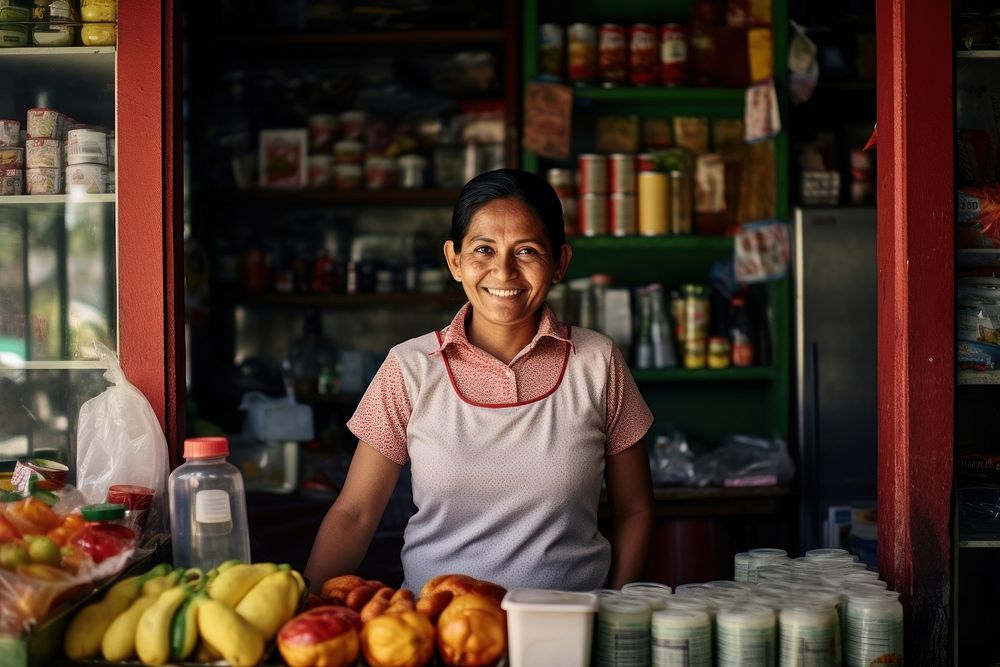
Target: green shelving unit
706, 404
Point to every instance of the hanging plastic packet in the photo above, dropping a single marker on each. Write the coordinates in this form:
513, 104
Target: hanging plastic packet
803, 69
120, 442
761, 119
762, 251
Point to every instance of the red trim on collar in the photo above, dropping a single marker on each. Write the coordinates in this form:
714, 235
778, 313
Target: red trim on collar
454, 386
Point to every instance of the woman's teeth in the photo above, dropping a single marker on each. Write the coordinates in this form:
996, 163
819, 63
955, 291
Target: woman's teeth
502, 292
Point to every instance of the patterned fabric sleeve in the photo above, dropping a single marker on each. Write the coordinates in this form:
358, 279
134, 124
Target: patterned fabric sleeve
628, 415
383, 413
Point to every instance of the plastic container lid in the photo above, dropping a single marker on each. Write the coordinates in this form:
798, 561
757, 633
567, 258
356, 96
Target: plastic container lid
539, 599
103, 512
203, 448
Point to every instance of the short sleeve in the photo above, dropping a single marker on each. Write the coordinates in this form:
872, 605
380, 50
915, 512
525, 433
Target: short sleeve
628, 416
384, 412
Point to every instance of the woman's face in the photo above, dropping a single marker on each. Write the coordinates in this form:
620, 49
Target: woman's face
505, 265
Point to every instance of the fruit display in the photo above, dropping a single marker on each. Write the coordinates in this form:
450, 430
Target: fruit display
456, 618
51, 552
171, 615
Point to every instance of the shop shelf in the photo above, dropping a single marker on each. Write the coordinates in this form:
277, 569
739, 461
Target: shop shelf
393, 198
980, 543
29, 200
670, 260
451, 298
673, 375
712, 102
417, 38
982, 54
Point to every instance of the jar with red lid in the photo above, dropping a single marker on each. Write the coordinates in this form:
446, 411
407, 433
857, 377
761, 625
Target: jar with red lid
103, 534
137, 501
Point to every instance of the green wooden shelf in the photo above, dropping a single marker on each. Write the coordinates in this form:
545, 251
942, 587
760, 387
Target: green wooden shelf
648, 259
713, 102
676, 375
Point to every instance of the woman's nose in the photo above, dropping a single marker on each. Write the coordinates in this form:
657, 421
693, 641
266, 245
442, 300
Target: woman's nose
506, 264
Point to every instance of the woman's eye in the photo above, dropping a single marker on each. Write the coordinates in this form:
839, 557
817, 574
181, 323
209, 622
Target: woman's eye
527, 251
482, 249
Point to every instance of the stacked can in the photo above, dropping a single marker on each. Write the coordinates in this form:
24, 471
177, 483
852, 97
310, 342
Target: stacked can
11, 158
563, 181
621, 197
87, 159
593, 186
44, 151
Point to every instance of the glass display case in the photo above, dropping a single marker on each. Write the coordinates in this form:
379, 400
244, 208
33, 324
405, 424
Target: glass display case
58, 278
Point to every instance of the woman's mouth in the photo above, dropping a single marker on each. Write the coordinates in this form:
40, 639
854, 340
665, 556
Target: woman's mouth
503, 292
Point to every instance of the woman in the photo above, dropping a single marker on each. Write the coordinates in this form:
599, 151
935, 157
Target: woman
510, 421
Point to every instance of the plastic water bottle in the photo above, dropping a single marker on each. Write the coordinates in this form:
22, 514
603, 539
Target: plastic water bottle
208, 512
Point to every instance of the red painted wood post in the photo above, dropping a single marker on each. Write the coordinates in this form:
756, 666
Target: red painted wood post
150, 333
916, 310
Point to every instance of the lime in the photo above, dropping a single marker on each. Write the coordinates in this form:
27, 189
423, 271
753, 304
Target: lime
44, 550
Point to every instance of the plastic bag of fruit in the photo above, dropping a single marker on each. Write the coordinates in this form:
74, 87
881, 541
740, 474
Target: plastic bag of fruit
51, 552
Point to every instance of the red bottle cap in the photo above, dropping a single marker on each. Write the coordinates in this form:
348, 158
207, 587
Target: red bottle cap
203, 448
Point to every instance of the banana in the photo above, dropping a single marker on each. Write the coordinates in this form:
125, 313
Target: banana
157, 585
86, 629
229, 634
118, 642
152, 635
232, 583
184, 628
270, 603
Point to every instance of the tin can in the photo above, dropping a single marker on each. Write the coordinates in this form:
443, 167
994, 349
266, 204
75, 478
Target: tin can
87, 146
322, 132
612, 55
44, 181
321, 171
644, 162
563, 181
593, 214
621, 172
551, 52
10, 132
680, 202
11, 158
644, 59
593, 169
673, 54
695, 325
43, 153
621, 214
51, 474
653, 204
718, 352
677, 314
11, 181
581, 53
44, 123
89, 179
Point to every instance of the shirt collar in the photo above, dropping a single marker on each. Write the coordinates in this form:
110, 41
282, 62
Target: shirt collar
454, 333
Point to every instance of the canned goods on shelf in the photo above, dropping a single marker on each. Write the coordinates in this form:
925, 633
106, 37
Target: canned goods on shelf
621, 172
673, 54
11, 157
53, 34
612, 55
87, 146
680, 202
10, 132
652, 204
96, 11
43, 153
695, 326
322, 131
581, 53
44, 181
593, 214
98, 34
621, 214
11, 181
45, 123
86, 178
320, 171
644, 59
593, 171
551, 52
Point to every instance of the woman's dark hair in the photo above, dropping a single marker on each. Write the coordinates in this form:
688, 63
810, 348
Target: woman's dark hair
505, 184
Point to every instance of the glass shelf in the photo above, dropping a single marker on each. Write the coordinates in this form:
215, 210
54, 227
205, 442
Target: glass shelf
28, 200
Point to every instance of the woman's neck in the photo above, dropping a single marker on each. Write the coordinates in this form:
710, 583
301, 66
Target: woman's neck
503, 341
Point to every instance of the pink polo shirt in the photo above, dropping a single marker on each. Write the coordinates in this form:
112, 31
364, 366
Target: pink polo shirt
383, 413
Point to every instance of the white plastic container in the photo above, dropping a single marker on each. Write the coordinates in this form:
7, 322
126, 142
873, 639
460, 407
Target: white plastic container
546, 628
208, 509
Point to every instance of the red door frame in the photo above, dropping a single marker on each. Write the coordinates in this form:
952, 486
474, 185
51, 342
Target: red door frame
916, 310
150, 244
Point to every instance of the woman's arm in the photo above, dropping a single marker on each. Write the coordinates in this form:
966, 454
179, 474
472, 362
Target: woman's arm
347, 529
630, 492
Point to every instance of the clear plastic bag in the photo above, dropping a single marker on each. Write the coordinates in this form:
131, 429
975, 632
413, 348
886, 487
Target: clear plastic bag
119, 441
671, 460
744, 460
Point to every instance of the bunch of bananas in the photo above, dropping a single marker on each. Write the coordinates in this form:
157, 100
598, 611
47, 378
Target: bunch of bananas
229, 613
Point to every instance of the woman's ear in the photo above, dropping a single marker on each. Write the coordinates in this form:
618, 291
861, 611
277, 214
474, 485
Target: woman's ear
453, 260
565, 255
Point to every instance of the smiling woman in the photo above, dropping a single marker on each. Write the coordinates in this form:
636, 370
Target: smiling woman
509, 419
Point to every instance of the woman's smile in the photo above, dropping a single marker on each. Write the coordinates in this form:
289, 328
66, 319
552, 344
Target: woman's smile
504, 293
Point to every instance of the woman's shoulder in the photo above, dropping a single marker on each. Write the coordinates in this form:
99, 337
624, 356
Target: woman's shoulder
590, 342
423, 344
